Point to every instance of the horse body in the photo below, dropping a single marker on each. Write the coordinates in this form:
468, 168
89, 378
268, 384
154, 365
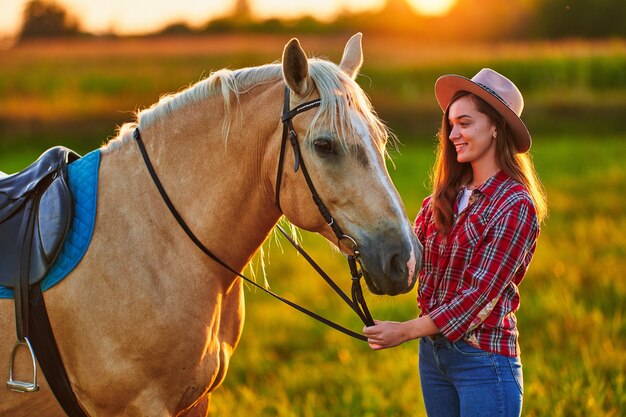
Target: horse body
146, 323
150, 261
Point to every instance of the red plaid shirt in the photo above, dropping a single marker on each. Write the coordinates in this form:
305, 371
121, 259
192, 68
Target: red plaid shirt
468, 282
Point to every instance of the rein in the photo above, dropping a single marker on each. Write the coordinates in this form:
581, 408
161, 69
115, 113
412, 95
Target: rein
357, 303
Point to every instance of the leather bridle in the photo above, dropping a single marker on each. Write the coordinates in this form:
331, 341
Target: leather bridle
357, 303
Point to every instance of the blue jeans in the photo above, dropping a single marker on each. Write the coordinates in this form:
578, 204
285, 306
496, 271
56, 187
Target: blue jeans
459, 380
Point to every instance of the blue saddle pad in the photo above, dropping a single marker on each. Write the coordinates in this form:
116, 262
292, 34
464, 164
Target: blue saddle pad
83, 181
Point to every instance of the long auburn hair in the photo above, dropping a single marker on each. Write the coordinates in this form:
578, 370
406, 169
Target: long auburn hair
449, 175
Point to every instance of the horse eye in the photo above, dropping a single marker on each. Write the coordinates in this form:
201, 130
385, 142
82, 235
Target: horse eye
323, 146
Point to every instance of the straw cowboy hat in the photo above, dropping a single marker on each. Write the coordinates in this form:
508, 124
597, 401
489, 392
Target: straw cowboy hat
495, 89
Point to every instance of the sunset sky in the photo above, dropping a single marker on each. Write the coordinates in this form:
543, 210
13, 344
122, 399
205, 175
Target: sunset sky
137, 16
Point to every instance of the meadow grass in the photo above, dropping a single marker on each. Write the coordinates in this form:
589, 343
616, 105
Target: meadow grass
572, 319
51, 90
572, 322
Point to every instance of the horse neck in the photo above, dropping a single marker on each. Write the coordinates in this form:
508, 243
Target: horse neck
223, 188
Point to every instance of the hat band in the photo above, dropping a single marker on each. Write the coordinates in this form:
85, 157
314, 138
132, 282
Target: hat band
493, 93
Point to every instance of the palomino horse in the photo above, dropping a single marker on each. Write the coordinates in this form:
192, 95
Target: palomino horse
146, 323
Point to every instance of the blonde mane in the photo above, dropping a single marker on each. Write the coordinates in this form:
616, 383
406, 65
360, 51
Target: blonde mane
338, 92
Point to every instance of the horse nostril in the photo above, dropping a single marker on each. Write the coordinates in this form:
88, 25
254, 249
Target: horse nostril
395, 267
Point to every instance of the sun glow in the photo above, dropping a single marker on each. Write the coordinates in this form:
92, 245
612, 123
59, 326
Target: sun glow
432, 7
140, 16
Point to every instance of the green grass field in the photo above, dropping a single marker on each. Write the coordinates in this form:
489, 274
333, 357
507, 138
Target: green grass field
572, 318
572, 323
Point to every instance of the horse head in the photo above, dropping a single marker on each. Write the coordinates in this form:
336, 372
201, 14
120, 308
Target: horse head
343, 145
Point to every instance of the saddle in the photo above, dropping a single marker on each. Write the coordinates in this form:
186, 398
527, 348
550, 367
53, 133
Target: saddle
35, 214
36, 211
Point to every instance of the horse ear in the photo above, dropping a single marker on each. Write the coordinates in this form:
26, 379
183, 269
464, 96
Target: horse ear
296, 68
352, 56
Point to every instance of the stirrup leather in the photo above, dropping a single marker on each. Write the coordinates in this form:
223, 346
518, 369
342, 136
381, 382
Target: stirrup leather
21, 386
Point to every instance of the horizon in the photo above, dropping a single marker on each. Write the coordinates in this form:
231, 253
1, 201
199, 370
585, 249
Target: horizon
137, 17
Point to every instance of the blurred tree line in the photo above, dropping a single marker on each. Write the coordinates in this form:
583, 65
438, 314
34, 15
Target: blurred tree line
467, 20
45, 19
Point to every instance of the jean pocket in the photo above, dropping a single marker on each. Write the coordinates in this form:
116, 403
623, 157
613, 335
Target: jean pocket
515, 364
466, 349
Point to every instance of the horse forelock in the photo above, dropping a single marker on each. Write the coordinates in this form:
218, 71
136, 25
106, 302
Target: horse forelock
340, 96
338, 92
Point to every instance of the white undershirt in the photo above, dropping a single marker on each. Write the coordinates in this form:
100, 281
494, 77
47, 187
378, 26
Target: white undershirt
464, 199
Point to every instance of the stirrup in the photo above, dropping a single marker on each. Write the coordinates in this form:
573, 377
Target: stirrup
21, 386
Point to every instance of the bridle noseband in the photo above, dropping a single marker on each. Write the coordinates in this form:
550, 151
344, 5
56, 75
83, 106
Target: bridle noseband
357, 303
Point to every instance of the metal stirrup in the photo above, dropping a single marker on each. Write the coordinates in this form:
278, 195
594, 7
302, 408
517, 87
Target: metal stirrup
21, 386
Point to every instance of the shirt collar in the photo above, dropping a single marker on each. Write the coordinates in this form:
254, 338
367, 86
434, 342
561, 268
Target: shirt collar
492, 184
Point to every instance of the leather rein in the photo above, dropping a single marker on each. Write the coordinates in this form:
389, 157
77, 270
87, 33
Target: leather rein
357, 302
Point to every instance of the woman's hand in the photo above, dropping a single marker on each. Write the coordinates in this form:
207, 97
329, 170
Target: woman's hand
386, 334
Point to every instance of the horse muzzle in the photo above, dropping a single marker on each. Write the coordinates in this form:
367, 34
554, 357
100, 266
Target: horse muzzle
390, 263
